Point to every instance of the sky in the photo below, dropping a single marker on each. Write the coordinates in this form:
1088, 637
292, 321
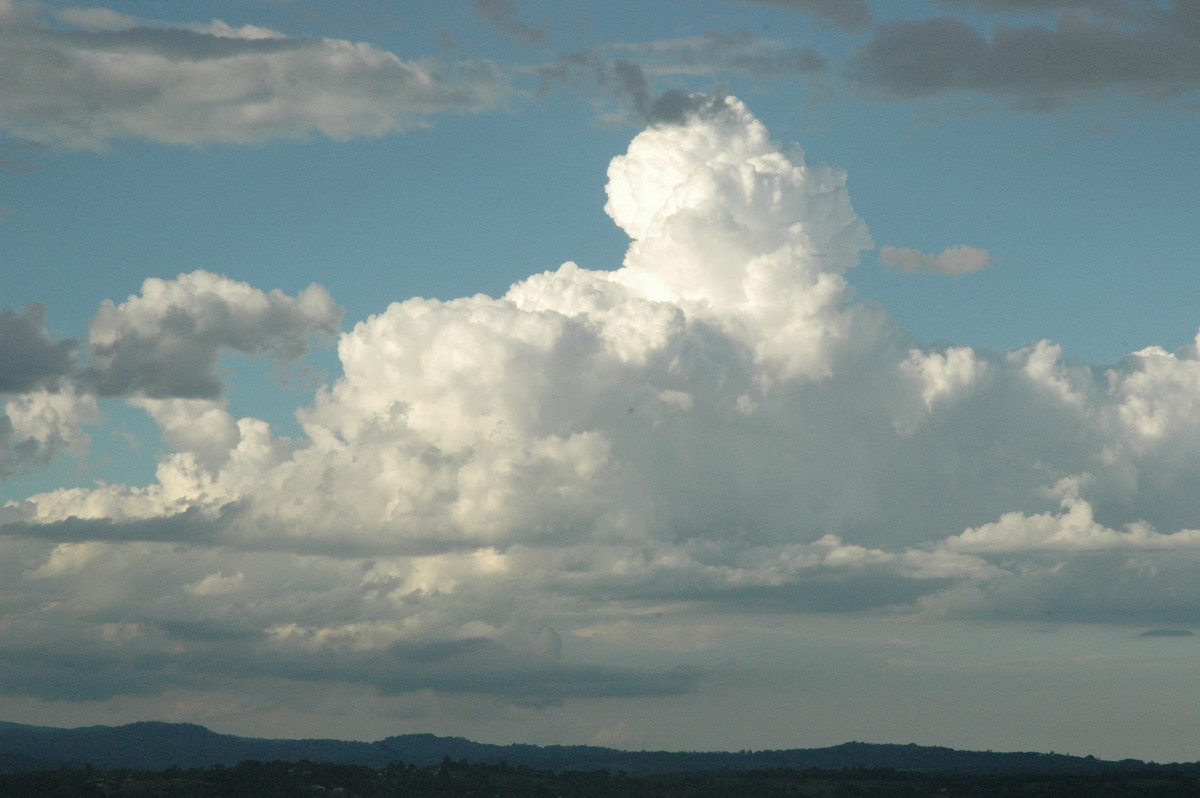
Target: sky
707, 375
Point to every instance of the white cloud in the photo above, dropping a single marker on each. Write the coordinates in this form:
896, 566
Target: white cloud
716, 423
1073, 529
1157, 399
954, 261
217, 584
944, 375
107, 77
37, 426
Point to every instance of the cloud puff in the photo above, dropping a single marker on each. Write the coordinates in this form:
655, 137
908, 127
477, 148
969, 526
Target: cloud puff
165, 342
104, 77
1036, 67
28, 356
1075, 528
716, 423
43, 415
955, 261
39, 425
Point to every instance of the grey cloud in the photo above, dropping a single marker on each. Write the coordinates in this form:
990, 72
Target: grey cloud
206, 630
1117, 8
627, 71
204, 655
178, 45
72, 675
825, 591
29, 357
742, 52
484, 666
167, 342
672, 107
1142, 588
481, 666
955, 261
1036, 67
502, 15
845, 14
83, 88
192, 527
1168, 633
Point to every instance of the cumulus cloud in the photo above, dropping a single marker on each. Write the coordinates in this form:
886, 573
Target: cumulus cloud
1075, 528
165, 342
954, 261
38, 425
94, 76
715, 423
42, 415
1154, 55
944, 375
29, 357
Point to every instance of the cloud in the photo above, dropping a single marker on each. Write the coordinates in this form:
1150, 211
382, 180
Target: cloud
1117, 8
217, 584
165, 342
1034, 67
37, 426
628, 71
1075, 528
98, 76
502, 15
714, 424
741, 53
29, 357
955, 261
845, 14
944, 376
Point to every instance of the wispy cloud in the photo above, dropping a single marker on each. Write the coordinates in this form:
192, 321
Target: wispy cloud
845, 14
105, 76
629, 71
502, 15
956, 261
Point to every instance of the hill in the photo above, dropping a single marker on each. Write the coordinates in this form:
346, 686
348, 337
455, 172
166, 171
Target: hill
157, 746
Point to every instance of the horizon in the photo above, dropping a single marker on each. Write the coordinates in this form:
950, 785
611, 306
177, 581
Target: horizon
751, 374
738, 752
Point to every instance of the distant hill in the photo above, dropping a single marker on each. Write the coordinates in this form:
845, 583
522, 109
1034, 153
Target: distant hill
157, 746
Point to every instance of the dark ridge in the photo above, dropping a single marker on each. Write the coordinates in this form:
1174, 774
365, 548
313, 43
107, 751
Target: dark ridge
158, 746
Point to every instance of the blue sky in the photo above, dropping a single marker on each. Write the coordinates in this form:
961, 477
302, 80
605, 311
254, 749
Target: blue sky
872, 416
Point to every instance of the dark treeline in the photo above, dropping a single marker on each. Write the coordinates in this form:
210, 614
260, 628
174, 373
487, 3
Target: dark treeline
461, 779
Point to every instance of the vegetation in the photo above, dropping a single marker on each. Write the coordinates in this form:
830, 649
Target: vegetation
462, 779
